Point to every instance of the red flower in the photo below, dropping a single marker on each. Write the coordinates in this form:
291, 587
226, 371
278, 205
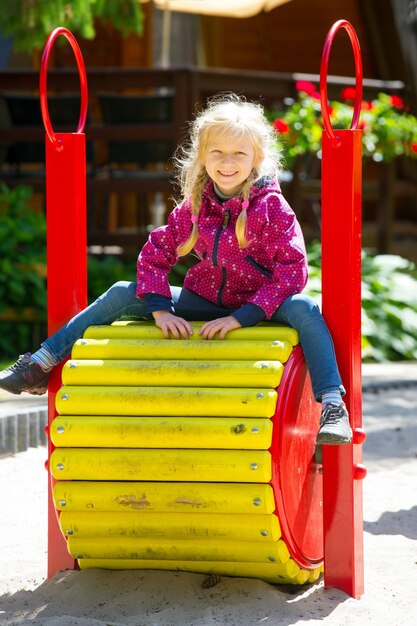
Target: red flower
281, 126
347, 94
414, 147
366, 105
397, 102
306, 87
315, 95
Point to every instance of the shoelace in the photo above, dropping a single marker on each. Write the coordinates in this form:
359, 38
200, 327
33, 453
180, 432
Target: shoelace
332, 414
19, 364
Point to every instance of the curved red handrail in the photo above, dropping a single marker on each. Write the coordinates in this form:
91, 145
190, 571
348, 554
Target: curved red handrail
43, 83
323, 78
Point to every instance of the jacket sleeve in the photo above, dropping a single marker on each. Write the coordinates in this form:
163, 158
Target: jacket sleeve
284, 241
159, 253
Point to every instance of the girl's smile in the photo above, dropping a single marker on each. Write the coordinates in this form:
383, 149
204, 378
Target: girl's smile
228, 159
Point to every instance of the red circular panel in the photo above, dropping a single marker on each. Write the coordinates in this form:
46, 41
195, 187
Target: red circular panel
297, 479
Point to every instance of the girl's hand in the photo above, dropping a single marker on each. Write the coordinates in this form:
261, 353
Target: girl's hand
222, 325
170, 323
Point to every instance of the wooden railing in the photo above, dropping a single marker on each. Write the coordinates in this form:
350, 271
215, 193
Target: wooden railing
190, 88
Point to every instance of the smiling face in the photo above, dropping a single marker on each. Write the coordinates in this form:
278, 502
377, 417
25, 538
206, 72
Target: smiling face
229, 159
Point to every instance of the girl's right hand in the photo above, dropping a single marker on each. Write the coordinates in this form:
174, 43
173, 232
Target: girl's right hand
169, 323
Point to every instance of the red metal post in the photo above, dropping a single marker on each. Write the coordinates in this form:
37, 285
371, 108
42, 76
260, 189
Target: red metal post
341, 276
66, 249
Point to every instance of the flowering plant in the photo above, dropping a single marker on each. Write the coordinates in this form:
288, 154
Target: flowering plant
389, 130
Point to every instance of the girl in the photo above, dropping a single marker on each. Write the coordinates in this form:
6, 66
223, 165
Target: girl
252, 260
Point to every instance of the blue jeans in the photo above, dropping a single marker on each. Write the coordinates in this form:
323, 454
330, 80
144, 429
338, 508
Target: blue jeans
298, 311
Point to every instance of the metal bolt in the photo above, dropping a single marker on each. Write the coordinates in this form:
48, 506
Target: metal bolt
276, 343
69, 532
60, 466
79, 556
83, 342
264, 366
264, 533
65, 396
272, 559
72, 365
254, 466
60, 430
259, 396
257, 501
255, 430
62, 503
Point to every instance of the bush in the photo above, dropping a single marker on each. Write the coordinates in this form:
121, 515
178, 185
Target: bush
389, 304
389, 130
22, 271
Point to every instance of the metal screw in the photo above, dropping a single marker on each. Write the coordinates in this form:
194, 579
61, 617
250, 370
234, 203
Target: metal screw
60, 466
264, 366
272, 559
79, 556
259, 396
62, 503
254, 466
72, 365
276, 343
83, 342
69, 532
65, 396
264, 533
257, 501
60, 430
255, 430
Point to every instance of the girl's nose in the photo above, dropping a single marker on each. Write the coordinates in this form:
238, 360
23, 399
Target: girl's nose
227, 158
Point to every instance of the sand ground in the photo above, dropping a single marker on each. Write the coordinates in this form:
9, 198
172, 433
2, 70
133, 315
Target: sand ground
152, 598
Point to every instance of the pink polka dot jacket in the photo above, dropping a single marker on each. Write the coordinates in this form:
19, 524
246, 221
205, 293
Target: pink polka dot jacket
271, 268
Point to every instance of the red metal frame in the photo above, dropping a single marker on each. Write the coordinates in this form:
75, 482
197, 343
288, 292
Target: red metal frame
341, 241
341, 277
66, 248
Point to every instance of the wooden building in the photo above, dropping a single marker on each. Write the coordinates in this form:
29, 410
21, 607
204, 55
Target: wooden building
262, 57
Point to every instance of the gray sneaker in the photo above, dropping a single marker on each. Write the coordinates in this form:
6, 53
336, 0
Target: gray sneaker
24, 375
334, 425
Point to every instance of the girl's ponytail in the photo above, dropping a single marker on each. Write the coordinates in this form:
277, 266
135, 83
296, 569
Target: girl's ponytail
196, 199
242, 219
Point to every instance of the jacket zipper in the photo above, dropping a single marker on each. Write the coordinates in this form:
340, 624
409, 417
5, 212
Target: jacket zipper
219, 232
215, 252
259, 267
220, 294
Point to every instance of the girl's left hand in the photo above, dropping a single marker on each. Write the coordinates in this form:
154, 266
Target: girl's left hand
222, 325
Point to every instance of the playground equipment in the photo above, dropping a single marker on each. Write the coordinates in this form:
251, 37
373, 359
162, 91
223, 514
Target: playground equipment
201, 455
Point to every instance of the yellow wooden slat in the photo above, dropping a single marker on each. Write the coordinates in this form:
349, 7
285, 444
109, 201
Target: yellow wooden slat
173, 373
315, 574
182, 401
161, 465
131, 497
172, 526
148, 330
84, 431
199, 549
172, 349
275, 573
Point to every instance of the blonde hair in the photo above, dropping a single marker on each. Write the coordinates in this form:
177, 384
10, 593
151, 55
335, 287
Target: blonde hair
231, 113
